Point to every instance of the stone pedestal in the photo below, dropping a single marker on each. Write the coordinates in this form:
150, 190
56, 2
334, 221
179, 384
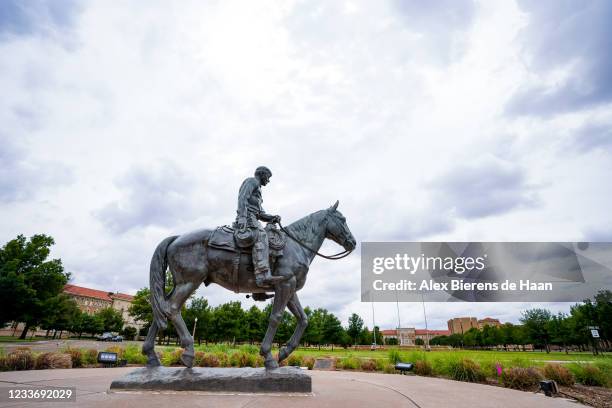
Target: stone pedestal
248, 380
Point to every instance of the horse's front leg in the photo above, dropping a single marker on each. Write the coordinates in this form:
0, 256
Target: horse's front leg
302, 322
282, 293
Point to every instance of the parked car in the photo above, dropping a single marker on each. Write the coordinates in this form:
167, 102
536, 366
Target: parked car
107, 336
117, 338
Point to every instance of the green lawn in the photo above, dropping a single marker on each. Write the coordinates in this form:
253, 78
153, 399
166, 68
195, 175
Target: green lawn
11, 339
476, 355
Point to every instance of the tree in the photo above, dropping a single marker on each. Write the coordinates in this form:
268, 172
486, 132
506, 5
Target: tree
419, 342
140, 309
391, 341
198, 308
255, 325
332, 330
91, 324
28, 280
314, 331
227, 322
355, 324
536, 326
62, 311
129, 332
111, 319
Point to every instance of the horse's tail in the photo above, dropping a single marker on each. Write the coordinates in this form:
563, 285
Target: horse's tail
159, 264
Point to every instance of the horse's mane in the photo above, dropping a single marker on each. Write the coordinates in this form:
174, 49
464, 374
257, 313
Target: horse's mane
308, 226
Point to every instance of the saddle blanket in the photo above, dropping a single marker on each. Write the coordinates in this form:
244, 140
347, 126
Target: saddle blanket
223, 238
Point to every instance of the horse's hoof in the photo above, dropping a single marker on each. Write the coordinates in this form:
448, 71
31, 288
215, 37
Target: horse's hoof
271, 364
187, 360
153, 362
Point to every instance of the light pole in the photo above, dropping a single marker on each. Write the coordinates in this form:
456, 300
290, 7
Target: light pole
426, 328
194, 326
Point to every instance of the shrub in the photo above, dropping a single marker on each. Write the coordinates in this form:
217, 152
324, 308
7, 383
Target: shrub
465, 370
559, 374
381, 363
3, 363
589, 374
53, 360
294, 360
223, 359
20, 360
210, 360
242, 359
423, 367
349, 363
394, 356
368, 364
91, 357
115, 349
198, 359
307, 362
133, 355
76, 356
171, 357
521, 378
249, 348
389, 369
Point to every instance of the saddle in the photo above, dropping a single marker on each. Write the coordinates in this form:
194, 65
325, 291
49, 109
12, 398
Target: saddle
224, 238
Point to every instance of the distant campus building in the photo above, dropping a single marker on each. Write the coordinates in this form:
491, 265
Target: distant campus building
406, 336
93, 300
89, 301
460, 325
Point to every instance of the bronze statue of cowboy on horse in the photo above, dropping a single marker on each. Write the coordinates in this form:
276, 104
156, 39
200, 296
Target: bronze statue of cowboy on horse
238, 259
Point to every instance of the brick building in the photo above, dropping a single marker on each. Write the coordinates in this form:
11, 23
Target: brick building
460, 325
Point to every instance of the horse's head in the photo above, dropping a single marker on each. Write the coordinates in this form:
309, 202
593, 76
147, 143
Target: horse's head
337, 230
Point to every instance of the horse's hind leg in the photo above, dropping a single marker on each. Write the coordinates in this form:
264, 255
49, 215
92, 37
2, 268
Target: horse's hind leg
302, 322
180, 294
148, 347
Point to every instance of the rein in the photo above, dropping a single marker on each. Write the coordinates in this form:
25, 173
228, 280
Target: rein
333, 257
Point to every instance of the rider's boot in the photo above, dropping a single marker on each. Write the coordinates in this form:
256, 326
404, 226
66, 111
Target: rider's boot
261, 261
265, 277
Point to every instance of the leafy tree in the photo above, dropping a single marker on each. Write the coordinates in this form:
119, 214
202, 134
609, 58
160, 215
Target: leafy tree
227, 322
255, 326
198, 308
129, 332
140, 309
314, 331
111, 319
332, 330
419, 342
355, 324
28, 280
365, 337
536, 326
391, 341
91, 324
61, 312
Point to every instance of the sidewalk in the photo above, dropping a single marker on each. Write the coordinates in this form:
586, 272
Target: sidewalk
330, 389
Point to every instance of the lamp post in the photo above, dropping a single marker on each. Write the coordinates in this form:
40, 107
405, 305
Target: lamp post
194, 326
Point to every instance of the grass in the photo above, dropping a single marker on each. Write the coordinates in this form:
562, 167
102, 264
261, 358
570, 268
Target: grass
11, 339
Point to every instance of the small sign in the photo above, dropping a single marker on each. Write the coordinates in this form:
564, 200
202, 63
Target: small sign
595, 333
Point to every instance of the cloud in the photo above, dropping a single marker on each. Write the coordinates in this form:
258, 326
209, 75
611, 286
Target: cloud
595, 135
156, 195
567, 49
442, 25
27, 17
22, 178
483, 187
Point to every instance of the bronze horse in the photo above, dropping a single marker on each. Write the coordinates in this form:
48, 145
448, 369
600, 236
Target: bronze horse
192, 261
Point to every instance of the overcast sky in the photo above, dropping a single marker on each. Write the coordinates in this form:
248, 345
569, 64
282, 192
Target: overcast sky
123, 123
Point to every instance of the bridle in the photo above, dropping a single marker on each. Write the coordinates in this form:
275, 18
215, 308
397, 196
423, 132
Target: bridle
333, 257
